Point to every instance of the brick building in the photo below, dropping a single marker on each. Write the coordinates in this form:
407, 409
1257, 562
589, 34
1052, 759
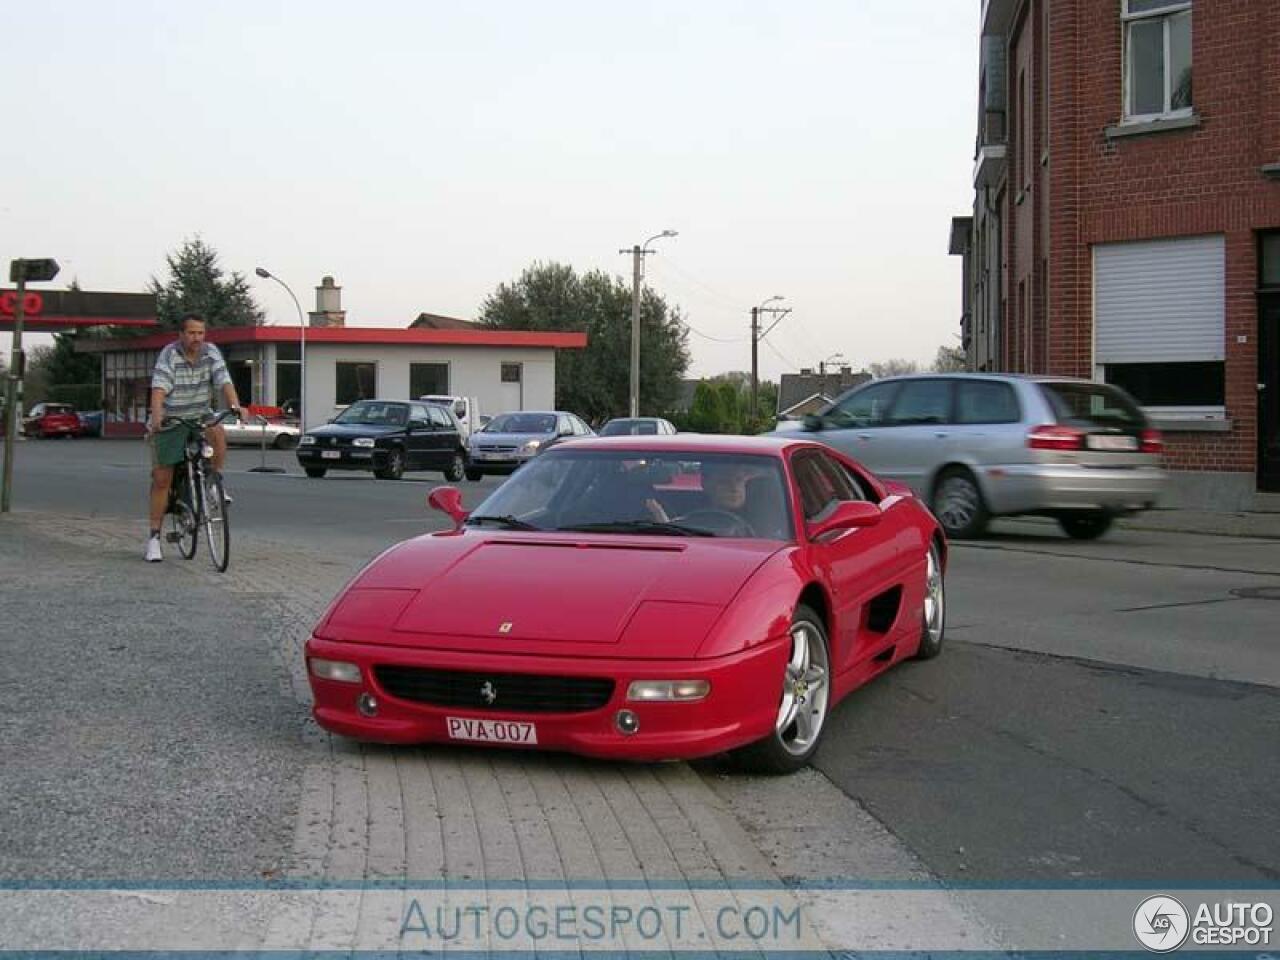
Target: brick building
1126, 220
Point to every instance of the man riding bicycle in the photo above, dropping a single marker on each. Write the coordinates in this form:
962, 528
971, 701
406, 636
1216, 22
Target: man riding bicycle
187, 375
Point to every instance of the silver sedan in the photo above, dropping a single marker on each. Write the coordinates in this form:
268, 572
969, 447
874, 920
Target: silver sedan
257, 430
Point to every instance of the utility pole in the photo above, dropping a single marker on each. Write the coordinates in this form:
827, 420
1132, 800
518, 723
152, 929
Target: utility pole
637, 273
20, 271
756, 337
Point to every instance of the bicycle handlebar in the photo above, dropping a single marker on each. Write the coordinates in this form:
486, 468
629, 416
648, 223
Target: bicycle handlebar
199, 423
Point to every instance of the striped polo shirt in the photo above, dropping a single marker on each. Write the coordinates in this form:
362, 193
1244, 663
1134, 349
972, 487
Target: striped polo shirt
190, 388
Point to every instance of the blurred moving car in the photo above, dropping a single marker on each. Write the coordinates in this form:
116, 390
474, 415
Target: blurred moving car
638, 427
257, 429
90, 423
387, 437
977, 446
561, 614
511, 439
52, 420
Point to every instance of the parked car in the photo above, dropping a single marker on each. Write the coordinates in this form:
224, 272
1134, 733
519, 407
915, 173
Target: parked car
512, 439
51, 420
387, 437
976, 446
638, 426
557, 615
258, 429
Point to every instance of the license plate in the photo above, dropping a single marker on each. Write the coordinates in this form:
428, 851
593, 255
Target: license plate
330, 454
491, 731
1107, 441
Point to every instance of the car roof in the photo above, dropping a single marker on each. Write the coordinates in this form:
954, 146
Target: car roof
693, 443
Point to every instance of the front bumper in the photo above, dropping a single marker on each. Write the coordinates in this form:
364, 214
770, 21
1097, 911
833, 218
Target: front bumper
734, 713
348, 458
1047, 488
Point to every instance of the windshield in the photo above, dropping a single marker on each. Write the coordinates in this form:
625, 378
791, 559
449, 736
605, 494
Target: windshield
1092, 405
374, 413
616, 428
640, 492
522, 423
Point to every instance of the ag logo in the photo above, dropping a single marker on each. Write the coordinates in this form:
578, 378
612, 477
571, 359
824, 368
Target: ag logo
1161, 924
489, 692
505, 626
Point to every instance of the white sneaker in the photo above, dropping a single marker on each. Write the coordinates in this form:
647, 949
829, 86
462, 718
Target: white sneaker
154, 554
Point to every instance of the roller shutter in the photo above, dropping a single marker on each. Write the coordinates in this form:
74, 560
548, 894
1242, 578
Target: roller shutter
1159, 301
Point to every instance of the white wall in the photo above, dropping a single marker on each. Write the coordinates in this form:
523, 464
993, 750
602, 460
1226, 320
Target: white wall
473, 372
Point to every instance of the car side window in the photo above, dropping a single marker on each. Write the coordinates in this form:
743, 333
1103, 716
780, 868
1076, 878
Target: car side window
986, 401
922, 402
440, 418
822, 483
580, 429
864, 407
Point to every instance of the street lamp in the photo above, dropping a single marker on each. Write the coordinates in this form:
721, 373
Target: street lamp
302, 353
638, 254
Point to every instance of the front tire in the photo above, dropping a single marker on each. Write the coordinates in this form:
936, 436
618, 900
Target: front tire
934, 616
217, 527
802, 707
394, 468
474, 475
958, 504
1085, 526
285, 442
457, 468
315, 473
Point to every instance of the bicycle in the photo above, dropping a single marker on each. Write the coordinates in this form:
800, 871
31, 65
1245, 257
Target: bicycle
196, 497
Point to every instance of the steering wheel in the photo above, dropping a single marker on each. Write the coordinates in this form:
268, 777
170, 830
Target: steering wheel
724, 523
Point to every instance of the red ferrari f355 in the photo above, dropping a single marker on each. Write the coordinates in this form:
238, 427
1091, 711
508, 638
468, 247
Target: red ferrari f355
639, 597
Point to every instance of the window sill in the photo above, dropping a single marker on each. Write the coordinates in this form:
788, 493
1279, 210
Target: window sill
1184, 425
1137, 128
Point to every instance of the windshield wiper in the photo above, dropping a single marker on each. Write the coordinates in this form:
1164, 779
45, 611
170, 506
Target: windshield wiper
506, 520
637, 526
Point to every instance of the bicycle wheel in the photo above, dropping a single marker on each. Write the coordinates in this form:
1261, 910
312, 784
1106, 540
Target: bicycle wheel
213, 514
183, 529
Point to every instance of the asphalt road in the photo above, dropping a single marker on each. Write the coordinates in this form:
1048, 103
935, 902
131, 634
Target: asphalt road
1104, 712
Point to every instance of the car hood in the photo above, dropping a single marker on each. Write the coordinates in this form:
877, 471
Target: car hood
558, 594
343, 430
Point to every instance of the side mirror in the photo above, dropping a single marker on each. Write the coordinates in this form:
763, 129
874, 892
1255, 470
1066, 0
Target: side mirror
812, 422
448, 500
848, 515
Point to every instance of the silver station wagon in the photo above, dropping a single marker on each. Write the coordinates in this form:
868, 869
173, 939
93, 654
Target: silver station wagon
977, 446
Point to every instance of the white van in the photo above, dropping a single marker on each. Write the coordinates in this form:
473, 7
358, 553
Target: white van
466, 409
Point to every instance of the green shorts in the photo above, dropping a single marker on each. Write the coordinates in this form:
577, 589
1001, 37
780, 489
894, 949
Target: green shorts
168, 446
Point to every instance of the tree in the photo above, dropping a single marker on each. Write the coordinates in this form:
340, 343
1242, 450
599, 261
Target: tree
950, 360
595, 382
892, 368
198, 284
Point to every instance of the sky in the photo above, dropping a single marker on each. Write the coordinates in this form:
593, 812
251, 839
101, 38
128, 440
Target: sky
422, 153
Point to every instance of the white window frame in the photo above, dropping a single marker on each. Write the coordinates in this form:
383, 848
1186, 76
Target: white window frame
1165, 12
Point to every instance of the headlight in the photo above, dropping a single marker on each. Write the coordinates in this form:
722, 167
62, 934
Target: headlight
362, 442
307, 440
668, 689
335, 670
530, 446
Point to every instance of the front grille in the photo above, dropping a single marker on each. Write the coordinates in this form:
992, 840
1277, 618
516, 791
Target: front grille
512, 692
496, 448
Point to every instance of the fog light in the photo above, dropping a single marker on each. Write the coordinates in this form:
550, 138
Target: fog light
335, 670
367, 704
626, 722
668, 689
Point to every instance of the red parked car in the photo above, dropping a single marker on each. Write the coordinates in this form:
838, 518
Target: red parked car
639, 597
52, 420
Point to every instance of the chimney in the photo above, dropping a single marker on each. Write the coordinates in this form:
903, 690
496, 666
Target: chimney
806, 371
328, 311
